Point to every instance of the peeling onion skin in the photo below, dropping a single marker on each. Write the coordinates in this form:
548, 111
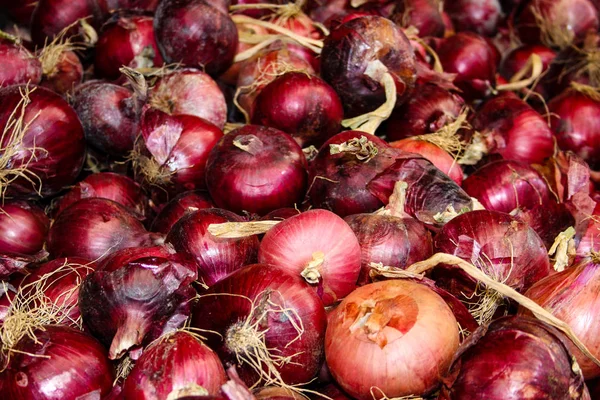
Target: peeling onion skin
291, 245
209, 42
182, 205
23, 228
19, 66
215, 257
219, 313
394, 356
67, 364
172, 364
349, 49
514, 358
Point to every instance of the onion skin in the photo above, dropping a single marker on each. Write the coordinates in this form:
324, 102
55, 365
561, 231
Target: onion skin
401, 348
270, 171
55, 133
428, 110
514, 130
67, 363
215, 257
292, 243
425, 15
590, 240
182, 205
93, 228
392, 241
514, 358
517, 58
190, 91
301, 105
474, 61
478, 16
108, 114
135, 296
23, 228
221, 313
126, 40
348, 51
65, 75
111, 186
18, 65
576, 125
174, 363
210, 42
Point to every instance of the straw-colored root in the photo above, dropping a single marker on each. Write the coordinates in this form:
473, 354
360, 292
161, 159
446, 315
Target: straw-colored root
552, 35
147, 168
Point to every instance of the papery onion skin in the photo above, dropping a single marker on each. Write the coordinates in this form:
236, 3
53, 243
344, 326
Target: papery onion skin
215, 257
590, 240
190, 91
390, 240
480, 16
63, 363
93, 228
108, 113
571, 296
575, 119
108, 185
126, 40
514, 130
401, 348
292, 244
270, 172
210, 42
224, 307
135, 296
23, 228
54, 138
349, 50
302, 105
428, 110
172, 364
514, 358
18, 65
185, 203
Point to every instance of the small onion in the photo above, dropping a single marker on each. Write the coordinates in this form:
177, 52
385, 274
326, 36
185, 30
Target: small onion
270, 170
174, 366
23, 228
319, 246
135, 296
397, 336
182, 205
18, 65
215, 257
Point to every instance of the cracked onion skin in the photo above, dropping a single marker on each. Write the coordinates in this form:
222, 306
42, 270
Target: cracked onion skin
348, 51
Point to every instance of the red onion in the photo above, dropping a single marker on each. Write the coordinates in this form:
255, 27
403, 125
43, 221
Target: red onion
108, 113
108, 185
514, 358
215, 257
126, 40
230, 76
556, 23
174, 366
42, 148
354, 51
474, 61
511, 128
18, 65
145, 5
276, 393
432, 152
270, 170
23, 228
518, 58
189, 91
135, 296
57, 363
320, 247
478, 16
575, 116
93, 228
503, 247
270, 323
302, 105
208, 42
571, 295
12, 263
425, 15
590, 240
428, 110
396, 336
182, 205
172, 151
63, 73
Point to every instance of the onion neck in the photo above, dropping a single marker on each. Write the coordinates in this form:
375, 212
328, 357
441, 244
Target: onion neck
362, 148
311, 273
249, 143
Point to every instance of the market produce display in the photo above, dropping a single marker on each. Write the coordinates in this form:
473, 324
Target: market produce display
300, 200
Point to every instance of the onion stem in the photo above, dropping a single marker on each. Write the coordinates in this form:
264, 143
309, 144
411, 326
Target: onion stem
534, 63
